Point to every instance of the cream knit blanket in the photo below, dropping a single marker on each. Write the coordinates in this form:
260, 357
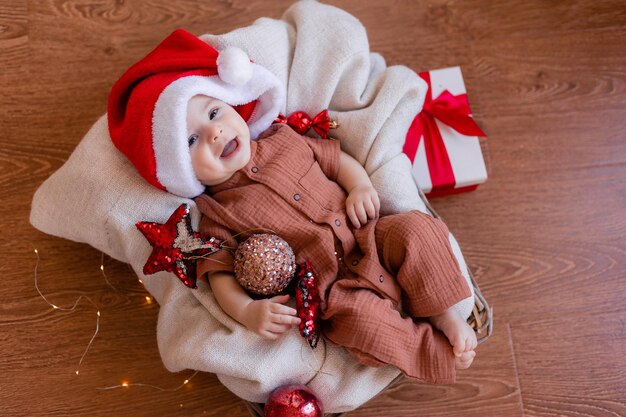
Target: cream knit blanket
322, 55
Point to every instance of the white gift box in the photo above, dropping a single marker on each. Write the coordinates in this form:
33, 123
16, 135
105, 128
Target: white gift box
448, 162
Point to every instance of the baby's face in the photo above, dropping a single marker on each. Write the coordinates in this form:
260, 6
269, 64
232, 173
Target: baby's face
219, 139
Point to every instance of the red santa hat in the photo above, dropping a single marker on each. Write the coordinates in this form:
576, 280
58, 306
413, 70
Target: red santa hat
147, 108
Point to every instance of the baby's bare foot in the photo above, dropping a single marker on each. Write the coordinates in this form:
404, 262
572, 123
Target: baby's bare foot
464, 360
459, 333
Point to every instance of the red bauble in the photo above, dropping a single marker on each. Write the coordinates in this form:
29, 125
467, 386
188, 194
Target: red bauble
293, 401
300, 122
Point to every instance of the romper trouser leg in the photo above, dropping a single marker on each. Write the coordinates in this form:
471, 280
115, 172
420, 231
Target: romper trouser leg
415, 249
375, 333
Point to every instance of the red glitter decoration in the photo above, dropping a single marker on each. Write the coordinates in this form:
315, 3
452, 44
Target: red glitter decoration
175, 245
301, 122
293, 401
308, 303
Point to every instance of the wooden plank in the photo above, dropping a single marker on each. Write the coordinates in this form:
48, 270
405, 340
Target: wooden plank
503, 65
489, 387
42, 347
542, 212
115, 34
532, 283
473, 20
573, 365
13, 41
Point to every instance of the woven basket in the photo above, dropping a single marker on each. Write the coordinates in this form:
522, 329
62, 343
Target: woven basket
481, 321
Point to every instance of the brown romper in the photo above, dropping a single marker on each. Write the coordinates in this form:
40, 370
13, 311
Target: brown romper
288, 186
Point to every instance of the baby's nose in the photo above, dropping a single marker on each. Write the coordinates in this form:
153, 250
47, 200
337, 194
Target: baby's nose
215, 134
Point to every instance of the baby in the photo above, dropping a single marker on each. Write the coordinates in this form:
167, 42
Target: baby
198, 123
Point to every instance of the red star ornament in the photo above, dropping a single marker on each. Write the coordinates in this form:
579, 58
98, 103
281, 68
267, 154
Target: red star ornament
176, 246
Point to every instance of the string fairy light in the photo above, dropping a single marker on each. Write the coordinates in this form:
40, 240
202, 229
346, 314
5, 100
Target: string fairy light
148, 299
231, 248
70, 309
317, 362
104, 275
126, 384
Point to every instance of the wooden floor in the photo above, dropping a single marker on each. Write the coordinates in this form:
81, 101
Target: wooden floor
545, 236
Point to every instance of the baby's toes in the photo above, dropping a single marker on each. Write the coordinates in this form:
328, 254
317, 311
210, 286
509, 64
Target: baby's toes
473, 342
468, 357
465, 360
459, 346
470, 341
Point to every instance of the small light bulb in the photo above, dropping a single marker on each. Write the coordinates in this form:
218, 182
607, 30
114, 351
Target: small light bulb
53, 306
149, 300
101, 267
186, 381
98, 313
76, 372
36, 251
125, 384
140, 281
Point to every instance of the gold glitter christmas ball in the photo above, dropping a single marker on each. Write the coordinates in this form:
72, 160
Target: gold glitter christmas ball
264, 264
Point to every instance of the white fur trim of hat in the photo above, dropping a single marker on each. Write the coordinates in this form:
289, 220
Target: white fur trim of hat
169, 125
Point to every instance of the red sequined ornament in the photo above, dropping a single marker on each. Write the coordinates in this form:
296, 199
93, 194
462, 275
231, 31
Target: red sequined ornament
301, 122
308, 303
175, 246
293, 401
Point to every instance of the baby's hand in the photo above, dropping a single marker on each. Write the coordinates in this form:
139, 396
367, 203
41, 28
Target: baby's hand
362, 204
269, 317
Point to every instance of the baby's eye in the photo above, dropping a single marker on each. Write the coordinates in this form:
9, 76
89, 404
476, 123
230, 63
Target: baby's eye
212, 114
192, 139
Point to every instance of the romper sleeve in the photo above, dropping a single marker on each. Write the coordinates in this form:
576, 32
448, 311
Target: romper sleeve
326, 152
222, 260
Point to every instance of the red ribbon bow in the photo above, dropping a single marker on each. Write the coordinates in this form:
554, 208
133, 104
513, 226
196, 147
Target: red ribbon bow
455, 112
301, 122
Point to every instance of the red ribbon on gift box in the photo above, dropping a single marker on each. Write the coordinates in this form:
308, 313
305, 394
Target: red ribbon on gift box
455, 112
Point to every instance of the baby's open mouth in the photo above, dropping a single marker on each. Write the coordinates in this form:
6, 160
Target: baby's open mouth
230, 148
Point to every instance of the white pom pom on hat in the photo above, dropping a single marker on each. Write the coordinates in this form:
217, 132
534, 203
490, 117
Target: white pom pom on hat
234, 66
147, 108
